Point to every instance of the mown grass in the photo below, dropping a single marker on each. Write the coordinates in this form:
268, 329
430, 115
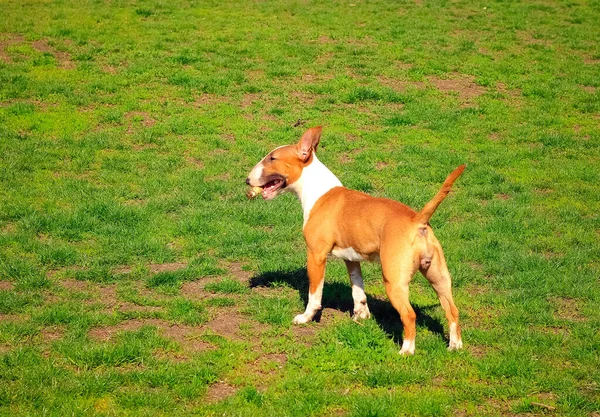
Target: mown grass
135, 278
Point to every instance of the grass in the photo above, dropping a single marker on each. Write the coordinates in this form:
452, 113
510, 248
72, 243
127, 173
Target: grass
136, 279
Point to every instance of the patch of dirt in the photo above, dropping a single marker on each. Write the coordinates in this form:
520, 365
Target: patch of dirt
477, 351
6, 286
494, 137
314, 78
566, 308
188, 337
503, 89
379, 166
326, 40
9, 228
465, 86
63, 58
127, 307
348, 157
220, 391
503, 196
107, 295
143, 117
255, 74
249, 99
194, 290
109, 69
12, 39
9, 317
400, 85
236, 269
208, 99
74, 285
124, 269
50, 334
588, 89
304, 99
227, 324
193, 161
304, 334
166, 267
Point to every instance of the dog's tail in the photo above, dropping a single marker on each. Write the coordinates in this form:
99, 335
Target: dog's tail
424, 215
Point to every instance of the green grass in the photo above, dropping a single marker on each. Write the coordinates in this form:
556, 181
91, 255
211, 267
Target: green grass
137, 279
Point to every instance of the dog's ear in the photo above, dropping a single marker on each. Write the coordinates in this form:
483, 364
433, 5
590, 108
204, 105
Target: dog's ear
309, 142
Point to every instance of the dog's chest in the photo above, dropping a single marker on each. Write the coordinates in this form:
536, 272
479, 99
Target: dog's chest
350, 254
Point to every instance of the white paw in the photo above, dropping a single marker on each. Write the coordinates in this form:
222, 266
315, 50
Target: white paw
408, 347
361, 314
300, 319
455, 345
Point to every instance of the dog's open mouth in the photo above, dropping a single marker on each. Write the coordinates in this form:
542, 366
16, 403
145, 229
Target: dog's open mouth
269, 190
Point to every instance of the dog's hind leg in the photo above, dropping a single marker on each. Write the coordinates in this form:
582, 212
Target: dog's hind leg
438, 275
397, 275
361, 309
316, 278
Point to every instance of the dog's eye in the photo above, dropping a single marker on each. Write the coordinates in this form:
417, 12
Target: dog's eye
272, 158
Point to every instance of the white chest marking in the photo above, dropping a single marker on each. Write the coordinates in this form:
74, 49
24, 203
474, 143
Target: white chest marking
314, 181
348, 254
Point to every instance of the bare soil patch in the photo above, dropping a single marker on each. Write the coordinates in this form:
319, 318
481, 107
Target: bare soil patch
63, 58
303, 98
503, 89
236, 269
196, 162
12, 39
166, 267
194, 290
400, 85
249, 99
465, 86
74, 285
227, 324
6, 286
144, 118
566, 308
50, 334
219, 391
208, 99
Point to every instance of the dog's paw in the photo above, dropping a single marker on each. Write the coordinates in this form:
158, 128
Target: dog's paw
455, 345
408, 348
300, 319
362, 314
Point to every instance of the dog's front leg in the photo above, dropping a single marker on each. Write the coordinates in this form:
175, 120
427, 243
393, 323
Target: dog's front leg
316, 278
361, 309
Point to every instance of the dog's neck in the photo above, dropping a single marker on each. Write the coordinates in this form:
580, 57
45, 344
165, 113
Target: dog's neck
316, 179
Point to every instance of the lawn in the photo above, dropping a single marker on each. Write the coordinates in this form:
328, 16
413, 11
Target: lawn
137, 279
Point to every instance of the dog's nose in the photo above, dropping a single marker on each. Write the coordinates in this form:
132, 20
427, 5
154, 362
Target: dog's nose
248, 181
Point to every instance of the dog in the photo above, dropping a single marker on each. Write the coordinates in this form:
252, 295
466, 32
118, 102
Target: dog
357, 227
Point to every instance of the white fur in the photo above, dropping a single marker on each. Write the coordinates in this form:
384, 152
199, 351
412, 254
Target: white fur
408, 347
348, 254
318, 180
455, 342
314, 305
257, 172
361, 309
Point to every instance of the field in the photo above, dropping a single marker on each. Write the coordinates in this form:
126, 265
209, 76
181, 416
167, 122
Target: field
137, 279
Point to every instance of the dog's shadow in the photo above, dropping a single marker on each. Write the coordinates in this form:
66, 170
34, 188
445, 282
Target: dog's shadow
339, 296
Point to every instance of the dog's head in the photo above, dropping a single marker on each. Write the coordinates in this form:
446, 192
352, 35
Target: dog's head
283, 166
